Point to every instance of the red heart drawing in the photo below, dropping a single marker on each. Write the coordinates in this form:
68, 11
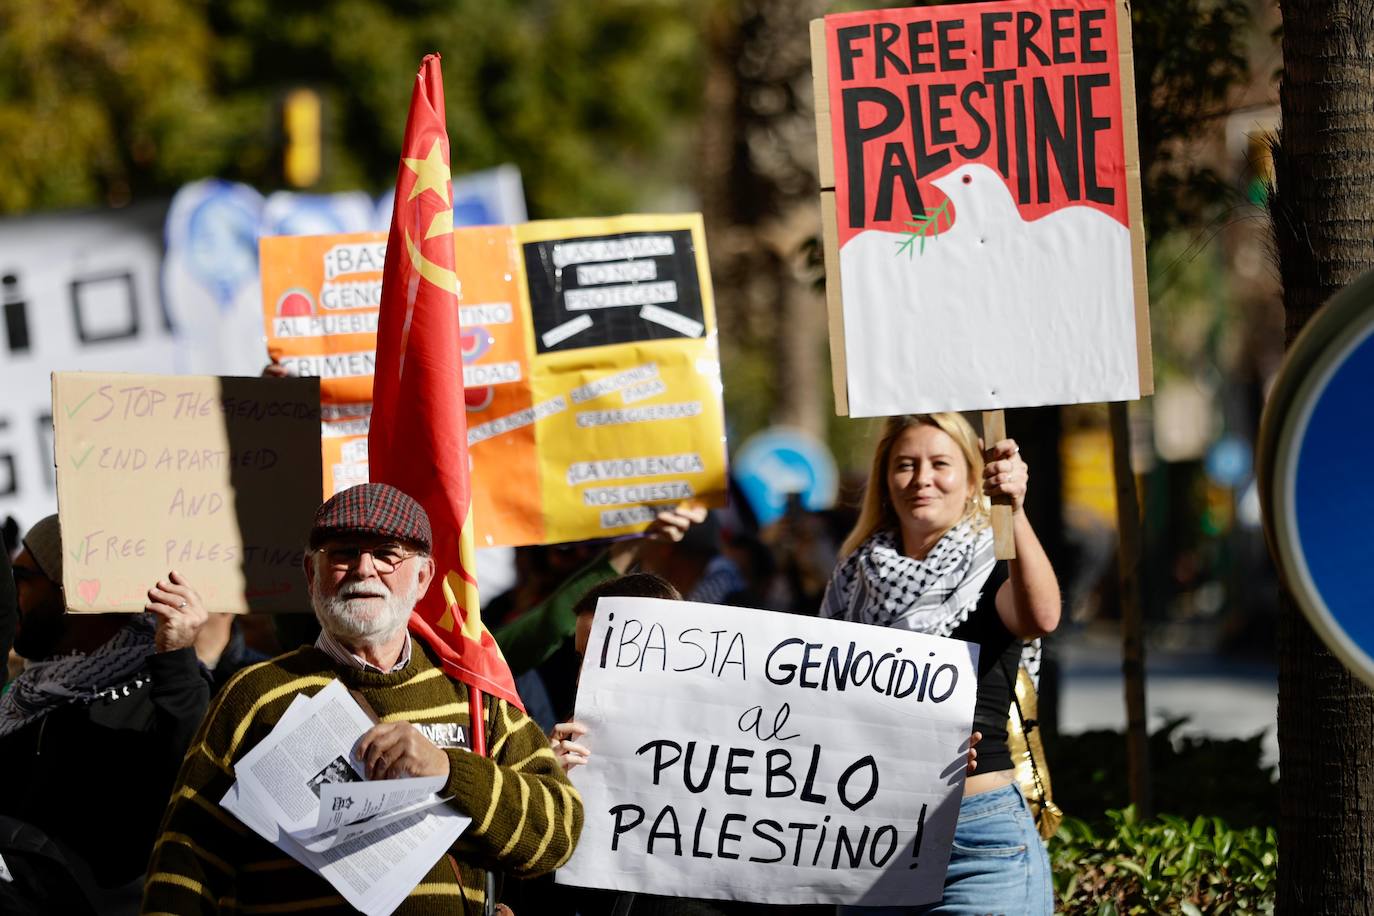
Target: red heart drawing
88, 589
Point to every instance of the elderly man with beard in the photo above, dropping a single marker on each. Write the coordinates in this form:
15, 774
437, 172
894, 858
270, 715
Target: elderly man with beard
369, 563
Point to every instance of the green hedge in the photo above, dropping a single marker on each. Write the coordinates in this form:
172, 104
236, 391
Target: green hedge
1163, 865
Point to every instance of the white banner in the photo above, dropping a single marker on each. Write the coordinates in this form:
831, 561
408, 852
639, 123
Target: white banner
751, 755
80, 291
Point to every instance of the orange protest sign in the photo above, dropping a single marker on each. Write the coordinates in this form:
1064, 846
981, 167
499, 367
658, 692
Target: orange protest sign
589, 359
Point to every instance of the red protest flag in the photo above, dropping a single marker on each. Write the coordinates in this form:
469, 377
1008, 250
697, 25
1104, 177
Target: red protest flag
418, 437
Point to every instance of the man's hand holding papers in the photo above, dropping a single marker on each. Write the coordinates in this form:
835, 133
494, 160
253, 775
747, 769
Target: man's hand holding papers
393, 750
302, 788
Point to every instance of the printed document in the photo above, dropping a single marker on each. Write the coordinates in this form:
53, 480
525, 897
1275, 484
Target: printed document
302, 789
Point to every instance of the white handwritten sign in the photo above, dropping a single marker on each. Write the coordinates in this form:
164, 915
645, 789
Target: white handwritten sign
217, 478
750, 755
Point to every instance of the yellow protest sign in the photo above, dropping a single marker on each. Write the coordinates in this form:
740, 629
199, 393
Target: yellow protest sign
216, 478
590, 363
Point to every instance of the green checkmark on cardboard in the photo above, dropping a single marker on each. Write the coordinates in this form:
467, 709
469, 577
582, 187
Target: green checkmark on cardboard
77, 462
73, 411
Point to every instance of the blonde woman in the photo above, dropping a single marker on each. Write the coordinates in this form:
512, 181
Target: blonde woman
921, 558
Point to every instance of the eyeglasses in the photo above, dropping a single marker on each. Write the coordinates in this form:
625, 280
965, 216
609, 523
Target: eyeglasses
385, 557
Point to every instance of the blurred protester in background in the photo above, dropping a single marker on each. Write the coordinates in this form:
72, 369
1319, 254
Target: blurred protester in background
805, 554
94, 729
541, 638
711, 570
539, 569
757, 573
563, 739
545, 576
685, 561
222, 649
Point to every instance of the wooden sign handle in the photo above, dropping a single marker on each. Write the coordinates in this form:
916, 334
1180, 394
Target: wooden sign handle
1003, 541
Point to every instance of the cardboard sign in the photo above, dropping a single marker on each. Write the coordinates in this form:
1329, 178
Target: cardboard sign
750, 755
216, 478
589, 358
984, 246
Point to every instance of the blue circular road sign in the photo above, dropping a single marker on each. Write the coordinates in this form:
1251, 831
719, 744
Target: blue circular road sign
1318, 508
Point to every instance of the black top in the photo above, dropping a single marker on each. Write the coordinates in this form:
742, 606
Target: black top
96, 776
999, 652
236, 656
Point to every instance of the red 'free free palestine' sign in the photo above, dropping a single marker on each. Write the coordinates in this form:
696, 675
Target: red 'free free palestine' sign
1030, 89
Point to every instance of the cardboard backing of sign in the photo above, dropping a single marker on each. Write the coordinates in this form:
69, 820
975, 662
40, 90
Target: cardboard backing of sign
981, 206
215, 478
589, 360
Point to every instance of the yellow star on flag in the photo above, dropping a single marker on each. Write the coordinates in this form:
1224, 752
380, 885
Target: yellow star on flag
431, 173
442, 224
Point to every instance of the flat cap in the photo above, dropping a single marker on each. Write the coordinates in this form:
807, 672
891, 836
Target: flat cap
372, 510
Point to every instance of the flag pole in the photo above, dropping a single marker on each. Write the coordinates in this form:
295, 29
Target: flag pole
477, 717
479, 720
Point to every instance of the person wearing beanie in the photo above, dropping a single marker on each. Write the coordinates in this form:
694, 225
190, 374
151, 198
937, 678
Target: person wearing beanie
94, 729
368, 564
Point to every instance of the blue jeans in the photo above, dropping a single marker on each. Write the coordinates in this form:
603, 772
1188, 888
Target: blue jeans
998, 864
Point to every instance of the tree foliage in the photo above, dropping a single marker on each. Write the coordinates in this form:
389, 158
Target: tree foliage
103, 100
1190, 58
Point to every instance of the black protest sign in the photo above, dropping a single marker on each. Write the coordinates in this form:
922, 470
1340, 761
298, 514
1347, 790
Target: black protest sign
624, 288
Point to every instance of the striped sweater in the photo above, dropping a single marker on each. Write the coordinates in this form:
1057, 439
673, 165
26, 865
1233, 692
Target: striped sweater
526, 815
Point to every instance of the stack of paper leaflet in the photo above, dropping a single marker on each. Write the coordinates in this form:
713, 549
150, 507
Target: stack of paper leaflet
302, 790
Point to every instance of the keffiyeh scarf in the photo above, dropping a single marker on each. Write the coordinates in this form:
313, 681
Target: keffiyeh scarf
878, 584
46, 685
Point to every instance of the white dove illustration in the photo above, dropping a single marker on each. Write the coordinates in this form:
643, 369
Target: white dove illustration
996, 311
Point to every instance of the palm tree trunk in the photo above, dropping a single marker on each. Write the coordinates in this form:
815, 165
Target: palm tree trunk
1323, 213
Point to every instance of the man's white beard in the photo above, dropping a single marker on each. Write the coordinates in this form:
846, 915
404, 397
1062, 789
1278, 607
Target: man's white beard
347, 618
